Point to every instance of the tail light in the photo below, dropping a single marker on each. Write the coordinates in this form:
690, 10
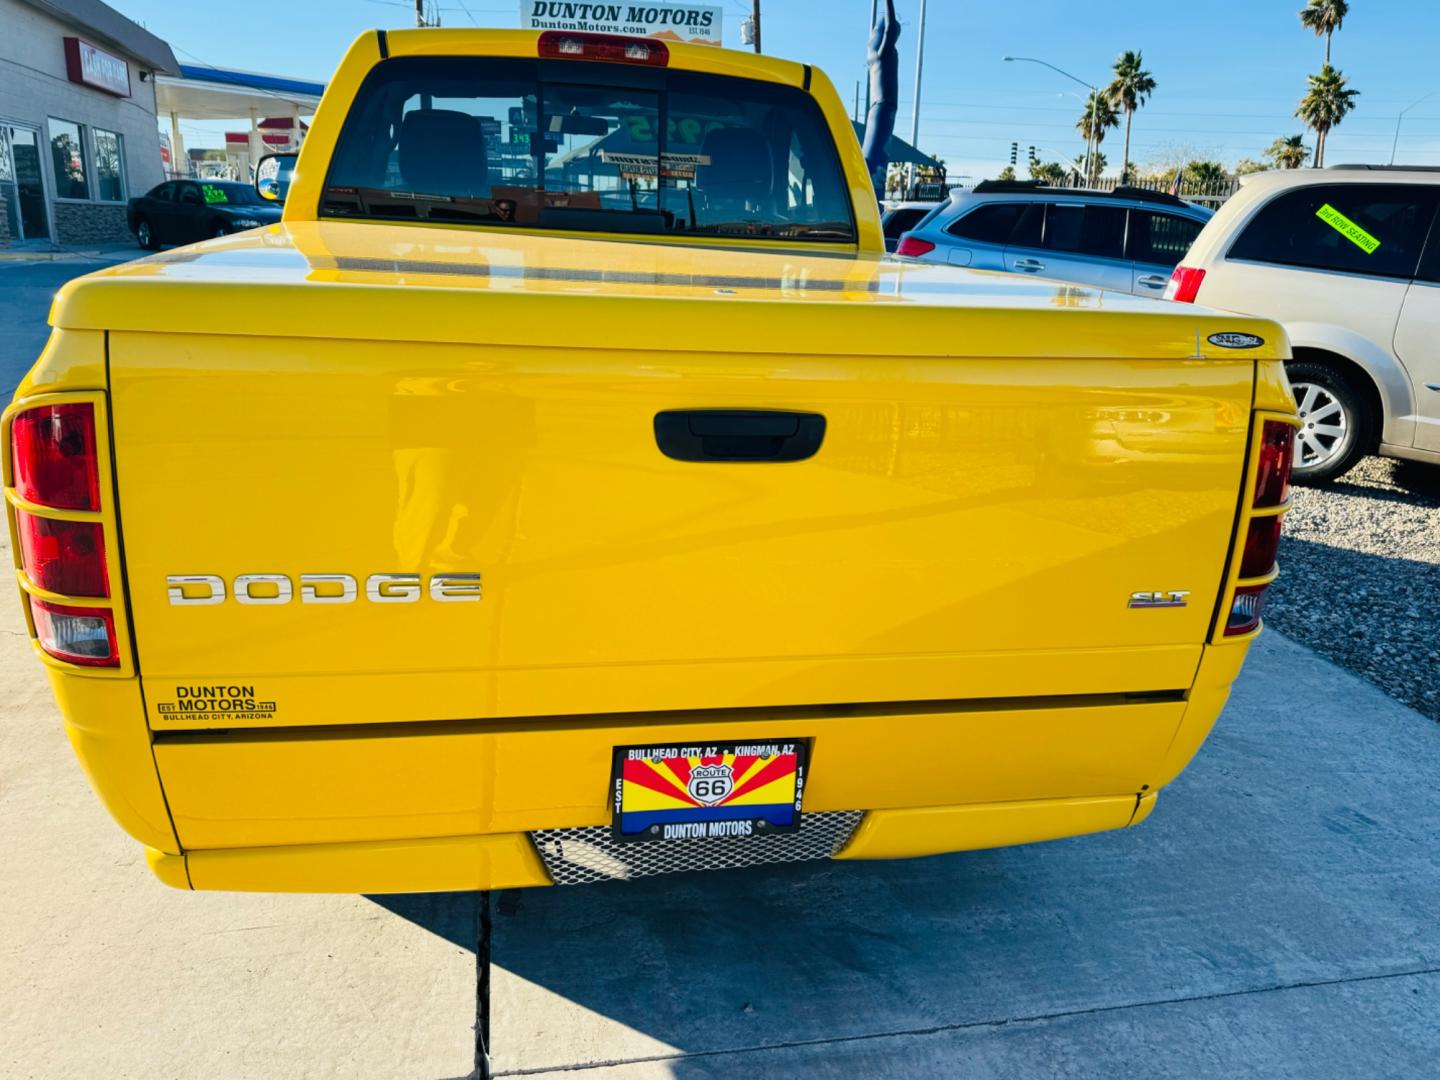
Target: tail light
612, 48
1274, 458
63, 556
1277, 456
1184, 284
1262, 543
913, 246
53, 451
55, 476
75, 634
1246, 610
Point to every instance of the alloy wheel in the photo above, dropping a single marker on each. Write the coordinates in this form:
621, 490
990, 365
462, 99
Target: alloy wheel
1324, 425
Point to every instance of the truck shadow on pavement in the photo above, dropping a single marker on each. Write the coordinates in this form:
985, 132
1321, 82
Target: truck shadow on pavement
1294, 859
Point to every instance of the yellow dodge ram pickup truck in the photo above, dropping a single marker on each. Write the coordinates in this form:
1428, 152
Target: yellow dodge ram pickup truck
570, 489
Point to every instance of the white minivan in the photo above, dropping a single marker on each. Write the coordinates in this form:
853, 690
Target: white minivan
1348, 260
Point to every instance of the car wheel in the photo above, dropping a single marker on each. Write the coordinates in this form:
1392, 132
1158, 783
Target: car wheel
1335, 422
143, 235
218, 229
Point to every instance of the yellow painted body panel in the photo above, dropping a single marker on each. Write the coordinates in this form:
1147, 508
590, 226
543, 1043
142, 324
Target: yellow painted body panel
407, 781
931, 830
444, 864
105, 720
936, 600
452, 803
958, 510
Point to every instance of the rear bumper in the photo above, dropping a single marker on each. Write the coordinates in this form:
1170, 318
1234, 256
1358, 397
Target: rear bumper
462, 808
510, 860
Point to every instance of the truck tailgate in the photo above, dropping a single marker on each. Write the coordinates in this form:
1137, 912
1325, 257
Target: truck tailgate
971, 527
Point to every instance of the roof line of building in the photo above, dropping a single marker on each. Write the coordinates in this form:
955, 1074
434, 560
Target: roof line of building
111, 28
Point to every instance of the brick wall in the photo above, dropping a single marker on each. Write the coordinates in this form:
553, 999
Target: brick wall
89, 223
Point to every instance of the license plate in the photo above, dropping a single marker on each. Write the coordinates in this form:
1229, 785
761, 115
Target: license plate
697, 792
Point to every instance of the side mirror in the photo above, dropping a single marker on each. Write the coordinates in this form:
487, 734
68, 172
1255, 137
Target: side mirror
272, 176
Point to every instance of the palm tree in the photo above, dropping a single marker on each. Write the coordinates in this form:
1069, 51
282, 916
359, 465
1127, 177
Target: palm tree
1325, 104
1288, 152
1097, 164
1098, 117
1051, 173
1130, 89
1324, 17
1206, 174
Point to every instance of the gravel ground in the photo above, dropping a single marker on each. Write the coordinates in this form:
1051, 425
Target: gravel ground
1360, 577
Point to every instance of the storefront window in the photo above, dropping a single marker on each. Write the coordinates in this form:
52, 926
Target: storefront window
68, 155
109, 166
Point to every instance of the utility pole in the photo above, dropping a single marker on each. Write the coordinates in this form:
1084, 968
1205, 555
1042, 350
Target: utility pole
915, 106
420, 13
755, 23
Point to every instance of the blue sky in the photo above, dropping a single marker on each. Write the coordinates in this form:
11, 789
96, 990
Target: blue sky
1229, 72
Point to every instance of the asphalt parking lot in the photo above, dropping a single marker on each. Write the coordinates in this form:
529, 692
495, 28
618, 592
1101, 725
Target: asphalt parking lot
1274, 917
26, 287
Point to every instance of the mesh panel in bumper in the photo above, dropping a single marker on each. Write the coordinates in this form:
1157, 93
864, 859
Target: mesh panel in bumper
579, 856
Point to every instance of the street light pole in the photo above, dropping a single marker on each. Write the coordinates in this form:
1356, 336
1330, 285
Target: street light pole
1092, 145
915, 105
1403, 111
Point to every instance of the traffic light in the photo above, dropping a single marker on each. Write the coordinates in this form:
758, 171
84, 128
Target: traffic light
1014, 152
1032, 154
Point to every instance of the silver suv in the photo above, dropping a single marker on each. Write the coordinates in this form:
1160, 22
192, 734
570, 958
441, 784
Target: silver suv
1128, 239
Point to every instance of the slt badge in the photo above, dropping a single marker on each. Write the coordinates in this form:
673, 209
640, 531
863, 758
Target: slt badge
1169, 598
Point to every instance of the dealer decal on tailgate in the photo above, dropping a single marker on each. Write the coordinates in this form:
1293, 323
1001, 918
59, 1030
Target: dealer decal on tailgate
704, 792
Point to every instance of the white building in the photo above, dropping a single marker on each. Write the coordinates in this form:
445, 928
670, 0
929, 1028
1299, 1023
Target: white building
78, 129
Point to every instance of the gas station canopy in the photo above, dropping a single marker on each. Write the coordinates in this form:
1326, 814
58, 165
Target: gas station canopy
206, 93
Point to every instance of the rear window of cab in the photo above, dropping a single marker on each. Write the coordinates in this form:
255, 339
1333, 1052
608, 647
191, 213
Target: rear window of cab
1372, 229
574, 145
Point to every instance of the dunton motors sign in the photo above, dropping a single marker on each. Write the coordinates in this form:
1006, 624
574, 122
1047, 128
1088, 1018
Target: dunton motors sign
91, 65
698, 24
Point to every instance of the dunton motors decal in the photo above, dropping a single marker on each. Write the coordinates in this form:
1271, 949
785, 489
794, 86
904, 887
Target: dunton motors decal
226, 703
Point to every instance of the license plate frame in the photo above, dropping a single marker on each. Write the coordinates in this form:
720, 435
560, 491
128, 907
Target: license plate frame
662, 799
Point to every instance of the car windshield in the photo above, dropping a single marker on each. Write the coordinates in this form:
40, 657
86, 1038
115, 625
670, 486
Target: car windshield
582, 146
222, 193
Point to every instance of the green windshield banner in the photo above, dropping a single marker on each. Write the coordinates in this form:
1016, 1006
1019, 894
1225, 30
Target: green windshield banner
1348, 229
